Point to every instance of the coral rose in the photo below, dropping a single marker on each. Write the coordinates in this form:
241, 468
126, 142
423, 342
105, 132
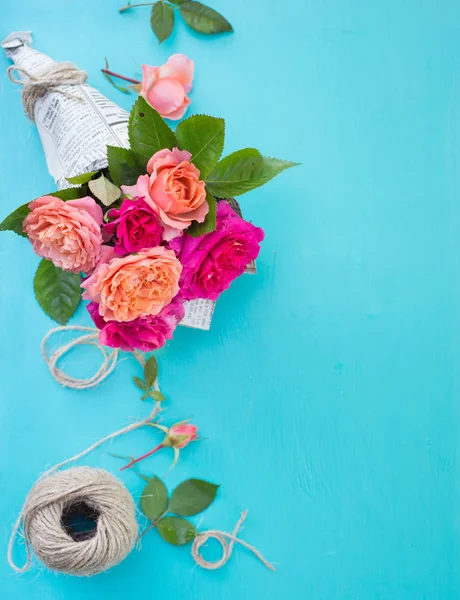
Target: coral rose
145, 333
135, 286
67, 233
173, 189
212, 261
135, 225
165, 88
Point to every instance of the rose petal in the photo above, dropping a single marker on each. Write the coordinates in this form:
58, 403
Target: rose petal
166, 96
179, 67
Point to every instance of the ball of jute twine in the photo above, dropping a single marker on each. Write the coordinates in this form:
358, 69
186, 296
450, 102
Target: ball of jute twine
51, 79
116, 526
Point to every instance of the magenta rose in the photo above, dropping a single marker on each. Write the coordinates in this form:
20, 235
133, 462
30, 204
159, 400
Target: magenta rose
212, 261
135, 225
144, 333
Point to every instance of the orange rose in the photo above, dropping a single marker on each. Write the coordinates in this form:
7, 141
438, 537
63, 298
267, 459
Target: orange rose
173, 189
134, 286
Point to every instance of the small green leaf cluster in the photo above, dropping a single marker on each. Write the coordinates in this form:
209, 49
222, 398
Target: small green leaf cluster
197, 16
147, 384
189, 498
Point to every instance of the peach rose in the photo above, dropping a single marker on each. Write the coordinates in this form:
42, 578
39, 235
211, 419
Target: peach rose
165, 88
173, 190
67, 233
135, 286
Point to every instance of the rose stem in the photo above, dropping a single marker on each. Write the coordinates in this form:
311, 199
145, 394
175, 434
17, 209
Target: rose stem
120, 76
136, 460
128, 6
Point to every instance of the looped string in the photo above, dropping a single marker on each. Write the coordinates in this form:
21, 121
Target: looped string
49, 80
111, 436
109, 363
227, 547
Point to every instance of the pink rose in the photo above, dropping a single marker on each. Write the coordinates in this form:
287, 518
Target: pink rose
135, 225
173, 190
145, 333
212, 261
67, 233
180, 435
138, 285
165, 88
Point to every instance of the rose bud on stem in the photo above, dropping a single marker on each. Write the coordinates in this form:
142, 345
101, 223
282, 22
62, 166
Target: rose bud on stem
177, 437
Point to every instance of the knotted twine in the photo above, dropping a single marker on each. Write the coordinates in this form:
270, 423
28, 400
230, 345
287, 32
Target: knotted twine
50, 79
115, 532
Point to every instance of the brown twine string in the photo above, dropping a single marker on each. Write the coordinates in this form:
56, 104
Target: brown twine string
50, 79
227, 547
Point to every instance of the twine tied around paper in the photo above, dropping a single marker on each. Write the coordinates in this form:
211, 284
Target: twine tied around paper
90, 338
51, 79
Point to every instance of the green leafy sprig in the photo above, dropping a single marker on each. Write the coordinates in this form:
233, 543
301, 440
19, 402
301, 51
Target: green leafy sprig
189, 498
147, 384
197, 16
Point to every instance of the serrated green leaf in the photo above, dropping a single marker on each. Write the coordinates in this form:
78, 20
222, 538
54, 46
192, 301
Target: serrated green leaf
83, 178
154, 499
209, 224
236, 173
176, 531
104, 190
72, 193
14, 221
157, 396
203, 136
140, 384
150, 371
162, 20
125, 166
204, 19
243, 171
58, 292
192, 496
148, 132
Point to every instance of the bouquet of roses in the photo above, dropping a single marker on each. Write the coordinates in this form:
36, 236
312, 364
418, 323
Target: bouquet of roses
157, 228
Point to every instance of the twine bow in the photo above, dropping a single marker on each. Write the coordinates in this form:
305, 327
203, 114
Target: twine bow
51, 79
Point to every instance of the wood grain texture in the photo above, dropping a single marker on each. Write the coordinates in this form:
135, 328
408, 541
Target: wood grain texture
328, 385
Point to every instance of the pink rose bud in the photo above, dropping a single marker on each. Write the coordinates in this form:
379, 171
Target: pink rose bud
181, 435
165, 88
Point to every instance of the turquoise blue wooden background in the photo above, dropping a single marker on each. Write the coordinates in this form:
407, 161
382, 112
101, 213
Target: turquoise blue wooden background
328, 385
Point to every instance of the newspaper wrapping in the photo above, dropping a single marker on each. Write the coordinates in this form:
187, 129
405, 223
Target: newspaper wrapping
75, 129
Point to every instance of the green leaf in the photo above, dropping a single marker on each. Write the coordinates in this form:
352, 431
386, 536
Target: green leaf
177, 1
148, 132
150, 371
209, 224
203, 136
83, 178
176, 531
236, 173
58, 292
243, 171
157, 396
162, 20
140, 384
104, 190
125, 166
72, 193
192, 496
154, 499
13, 222
204, 19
